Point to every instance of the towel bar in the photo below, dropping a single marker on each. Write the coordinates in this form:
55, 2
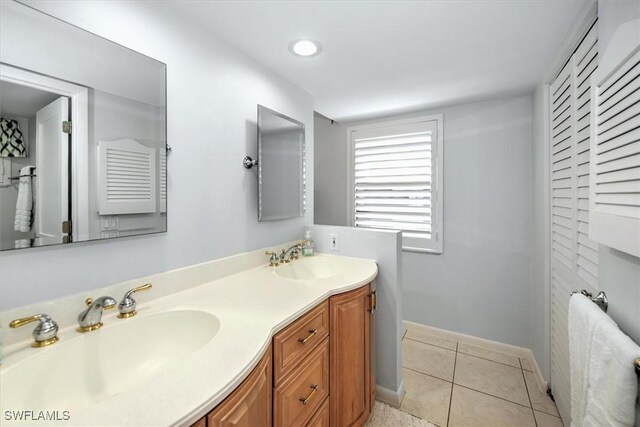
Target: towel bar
33, 175
600, 300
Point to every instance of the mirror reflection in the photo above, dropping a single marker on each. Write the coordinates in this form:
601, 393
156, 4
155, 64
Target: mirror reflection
281, 166
82, 135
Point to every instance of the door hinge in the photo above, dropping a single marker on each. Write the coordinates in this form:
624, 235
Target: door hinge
67, 227
66, 126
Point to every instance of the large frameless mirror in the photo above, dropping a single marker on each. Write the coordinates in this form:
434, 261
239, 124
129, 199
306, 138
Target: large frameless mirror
83, 151
281, 166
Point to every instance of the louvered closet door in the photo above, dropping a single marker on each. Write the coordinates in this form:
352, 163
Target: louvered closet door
574, 258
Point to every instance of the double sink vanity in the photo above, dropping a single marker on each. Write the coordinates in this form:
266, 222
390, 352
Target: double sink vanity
261, 346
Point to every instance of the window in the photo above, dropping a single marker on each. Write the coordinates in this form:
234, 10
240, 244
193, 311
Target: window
395, 180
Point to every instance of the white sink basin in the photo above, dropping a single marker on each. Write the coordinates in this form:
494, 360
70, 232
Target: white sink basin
316, 267
79, 372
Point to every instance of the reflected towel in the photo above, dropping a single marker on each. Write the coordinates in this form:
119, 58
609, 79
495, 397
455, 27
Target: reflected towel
22, 243
24, 203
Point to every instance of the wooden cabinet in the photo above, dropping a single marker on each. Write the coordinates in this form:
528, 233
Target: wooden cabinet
299, 339
350, 370
250, 404
321, 418
318, 373
297, 398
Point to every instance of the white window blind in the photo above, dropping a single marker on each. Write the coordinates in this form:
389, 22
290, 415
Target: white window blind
395, 180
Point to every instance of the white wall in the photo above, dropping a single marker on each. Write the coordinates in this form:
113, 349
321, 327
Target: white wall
212, 92
539, 301
330, 172
481, 284
385, 247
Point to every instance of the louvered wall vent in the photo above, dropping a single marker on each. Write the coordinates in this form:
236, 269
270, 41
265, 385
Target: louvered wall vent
615, 154
128, 177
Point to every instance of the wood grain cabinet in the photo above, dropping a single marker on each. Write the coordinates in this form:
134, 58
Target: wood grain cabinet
318, 372
350, 341
250, 404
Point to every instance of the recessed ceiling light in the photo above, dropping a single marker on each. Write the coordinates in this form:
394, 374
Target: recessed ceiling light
305, 48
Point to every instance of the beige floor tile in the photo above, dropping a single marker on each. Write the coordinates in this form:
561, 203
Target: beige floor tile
426, 397
492, 378
428, 359
470, 408
485, 353
426, 338
539, 400
526, 364
546, 420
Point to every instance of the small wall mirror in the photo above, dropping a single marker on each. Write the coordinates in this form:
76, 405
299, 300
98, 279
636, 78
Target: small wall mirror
281, 166
83, 134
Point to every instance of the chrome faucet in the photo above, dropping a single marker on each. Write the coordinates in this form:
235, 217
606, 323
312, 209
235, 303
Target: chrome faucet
295, 253
90, 319
44, 334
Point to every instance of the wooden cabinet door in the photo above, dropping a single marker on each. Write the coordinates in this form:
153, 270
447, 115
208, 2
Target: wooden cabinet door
350, 371
250, 404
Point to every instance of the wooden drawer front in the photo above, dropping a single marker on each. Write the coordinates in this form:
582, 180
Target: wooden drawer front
321, 418
289, 409
289, 345
250, 404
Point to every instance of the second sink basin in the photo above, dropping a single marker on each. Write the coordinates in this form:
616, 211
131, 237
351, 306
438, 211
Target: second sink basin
316, 267
74, 374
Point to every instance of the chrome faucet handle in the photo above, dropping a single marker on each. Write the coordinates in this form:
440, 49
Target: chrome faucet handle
44, 334
127, 306
91, 318
274, 261
295, 254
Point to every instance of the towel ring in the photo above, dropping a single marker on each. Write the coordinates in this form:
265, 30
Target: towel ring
637, 365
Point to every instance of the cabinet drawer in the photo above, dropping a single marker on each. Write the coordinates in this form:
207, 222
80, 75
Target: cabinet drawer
304, 390
297, 340
321, 418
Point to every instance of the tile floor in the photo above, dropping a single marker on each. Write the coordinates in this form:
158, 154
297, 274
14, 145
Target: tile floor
455, 384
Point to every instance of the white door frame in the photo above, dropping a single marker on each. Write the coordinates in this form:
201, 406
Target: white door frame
79, 97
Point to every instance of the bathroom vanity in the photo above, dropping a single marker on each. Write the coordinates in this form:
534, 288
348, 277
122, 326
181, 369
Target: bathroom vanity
230, 342
317, 372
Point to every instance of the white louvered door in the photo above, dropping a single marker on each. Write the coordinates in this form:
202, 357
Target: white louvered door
615, 201
574, 257
128, 177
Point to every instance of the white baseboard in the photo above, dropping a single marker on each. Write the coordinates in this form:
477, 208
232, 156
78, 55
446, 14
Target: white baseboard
393, 398
522, 352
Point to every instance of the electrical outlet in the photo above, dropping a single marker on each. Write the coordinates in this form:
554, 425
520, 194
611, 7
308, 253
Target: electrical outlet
333, 242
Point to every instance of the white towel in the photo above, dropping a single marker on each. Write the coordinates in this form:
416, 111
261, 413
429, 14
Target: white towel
24, 203
603, 379
22, 243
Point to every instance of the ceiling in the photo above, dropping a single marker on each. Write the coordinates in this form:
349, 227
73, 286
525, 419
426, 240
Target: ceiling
385, 57
23, 101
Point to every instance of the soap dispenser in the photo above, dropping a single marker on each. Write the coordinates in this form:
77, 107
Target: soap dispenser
307, 244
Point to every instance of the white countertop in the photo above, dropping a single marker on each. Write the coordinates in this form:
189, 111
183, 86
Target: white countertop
251, 306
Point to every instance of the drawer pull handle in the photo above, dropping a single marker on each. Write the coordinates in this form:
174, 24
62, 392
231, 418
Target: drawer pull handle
312, 333
306, 400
